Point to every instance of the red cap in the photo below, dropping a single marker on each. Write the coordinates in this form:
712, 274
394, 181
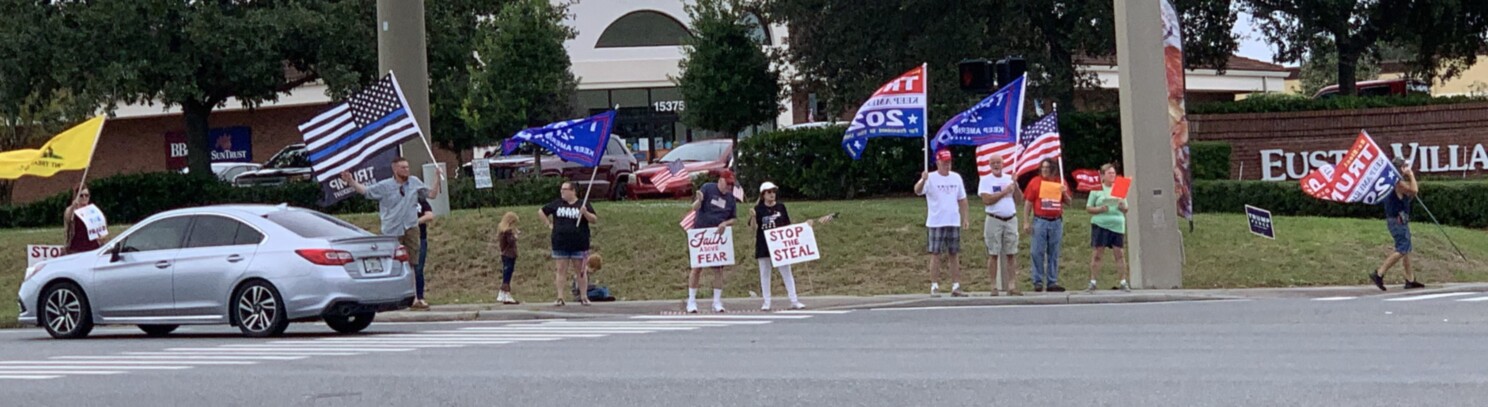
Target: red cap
943, 155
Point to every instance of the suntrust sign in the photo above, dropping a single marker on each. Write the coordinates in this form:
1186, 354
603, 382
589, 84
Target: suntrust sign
1284, 164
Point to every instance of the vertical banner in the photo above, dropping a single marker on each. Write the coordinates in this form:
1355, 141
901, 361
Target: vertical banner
378, 167
1177, 116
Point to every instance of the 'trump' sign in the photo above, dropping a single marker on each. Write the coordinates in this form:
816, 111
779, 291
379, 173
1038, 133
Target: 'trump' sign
708, 248
1364, 175
792, 244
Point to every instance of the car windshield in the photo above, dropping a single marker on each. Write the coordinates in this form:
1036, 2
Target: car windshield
696, 152
293, 157
310, 224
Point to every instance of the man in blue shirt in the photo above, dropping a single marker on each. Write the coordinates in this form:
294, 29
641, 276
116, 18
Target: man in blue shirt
1397, 219
715, 208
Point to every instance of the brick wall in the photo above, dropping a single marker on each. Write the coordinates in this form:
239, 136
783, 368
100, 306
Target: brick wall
1306, 139
135, 145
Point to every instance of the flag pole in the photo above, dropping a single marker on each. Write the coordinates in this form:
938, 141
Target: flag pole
592, 175
925, 121
84, 181
1439, 227
1055, 108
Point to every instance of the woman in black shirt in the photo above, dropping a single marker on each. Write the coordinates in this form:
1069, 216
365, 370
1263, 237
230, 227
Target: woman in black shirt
769, 213
570, 225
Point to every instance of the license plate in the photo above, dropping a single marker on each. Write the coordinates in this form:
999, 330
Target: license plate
372, 267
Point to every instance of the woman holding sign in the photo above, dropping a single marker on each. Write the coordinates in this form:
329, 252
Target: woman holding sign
715, 209
75, 230
769, 213
1107, 227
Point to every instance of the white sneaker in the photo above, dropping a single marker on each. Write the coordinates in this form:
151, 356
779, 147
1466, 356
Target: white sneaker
691, 307
718, 307
797, 306
934, 290
766, 306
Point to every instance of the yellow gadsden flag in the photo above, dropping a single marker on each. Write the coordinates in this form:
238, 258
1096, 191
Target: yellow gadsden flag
70, 150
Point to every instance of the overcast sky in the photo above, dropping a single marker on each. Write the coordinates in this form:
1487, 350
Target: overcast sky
1252, 44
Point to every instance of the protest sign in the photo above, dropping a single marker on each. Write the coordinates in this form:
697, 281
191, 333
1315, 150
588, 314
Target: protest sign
792, 244
1120, 187
36, 253
1260, 222
482, 169
95, 222
707, 248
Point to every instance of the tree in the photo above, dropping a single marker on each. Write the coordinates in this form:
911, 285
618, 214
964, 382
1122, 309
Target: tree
33, 104
727, 82
1446, 35
453, 29
1320, 69
845, 49
197, 55
522, 76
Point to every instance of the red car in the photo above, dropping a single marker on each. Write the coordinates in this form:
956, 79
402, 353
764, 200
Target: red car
611, 182
698, 157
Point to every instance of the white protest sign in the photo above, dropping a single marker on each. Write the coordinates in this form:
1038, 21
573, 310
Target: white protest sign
36, 253
707, 248
792, 244
482, 169
95, 222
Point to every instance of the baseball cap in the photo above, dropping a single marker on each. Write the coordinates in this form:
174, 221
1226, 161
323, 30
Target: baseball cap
943, 155
767, 186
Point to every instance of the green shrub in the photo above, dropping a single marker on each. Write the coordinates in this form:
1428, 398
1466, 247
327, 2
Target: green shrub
1210, 159
1457, 203
1090, 139
812, 164
521, 191
1278, 102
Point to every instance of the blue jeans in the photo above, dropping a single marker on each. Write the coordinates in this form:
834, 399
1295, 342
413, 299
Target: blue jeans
1047, 236
418, 269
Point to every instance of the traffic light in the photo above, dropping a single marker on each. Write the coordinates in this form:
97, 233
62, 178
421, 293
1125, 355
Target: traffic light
1009, 69
976, 75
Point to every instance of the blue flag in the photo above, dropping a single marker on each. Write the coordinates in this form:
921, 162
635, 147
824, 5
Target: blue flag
580, 141
995, 119
897, 109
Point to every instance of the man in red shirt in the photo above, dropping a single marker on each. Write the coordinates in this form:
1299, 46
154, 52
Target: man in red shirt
1046, 202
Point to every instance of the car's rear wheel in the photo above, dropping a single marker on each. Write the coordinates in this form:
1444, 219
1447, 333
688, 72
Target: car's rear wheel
259, 311
65, 312
158, 330
620, 191
350, 324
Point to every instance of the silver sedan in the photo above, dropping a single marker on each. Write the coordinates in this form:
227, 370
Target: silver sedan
257, 267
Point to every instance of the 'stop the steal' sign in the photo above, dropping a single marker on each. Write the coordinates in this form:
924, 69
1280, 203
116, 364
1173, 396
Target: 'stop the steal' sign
792, 244
708, 248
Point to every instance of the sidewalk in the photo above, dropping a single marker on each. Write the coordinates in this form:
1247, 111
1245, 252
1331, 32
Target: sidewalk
546, 310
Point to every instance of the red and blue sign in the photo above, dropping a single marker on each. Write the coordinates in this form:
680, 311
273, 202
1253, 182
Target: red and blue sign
581, 141
1365, 175
897, 109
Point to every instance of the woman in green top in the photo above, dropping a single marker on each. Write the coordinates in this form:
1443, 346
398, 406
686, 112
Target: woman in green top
1107, 227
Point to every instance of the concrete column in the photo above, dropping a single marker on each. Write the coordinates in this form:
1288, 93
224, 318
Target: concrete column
402, 49
1154, 243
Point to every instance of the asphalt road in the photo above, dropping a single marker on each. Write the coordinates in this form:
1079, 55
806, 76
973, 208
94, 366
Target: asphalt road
1275, 352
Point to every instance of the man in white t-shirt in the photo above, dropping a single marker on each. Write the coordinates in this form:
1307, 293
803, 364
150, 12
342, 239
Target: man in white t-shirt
945, 197
1001, 231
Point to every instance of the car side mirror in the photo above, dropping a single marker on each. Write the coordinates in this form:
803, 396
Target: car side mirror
114, 256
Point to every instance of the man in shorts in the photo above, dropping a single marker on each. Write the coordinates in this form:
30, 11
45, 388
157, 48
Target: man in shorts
997, 191
1397, 220
945, 197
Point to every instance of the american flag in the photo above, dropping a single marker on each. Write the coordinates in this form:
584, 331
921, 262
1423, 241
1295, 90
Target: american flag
687, 220
361, 127
676, 175
1036, 143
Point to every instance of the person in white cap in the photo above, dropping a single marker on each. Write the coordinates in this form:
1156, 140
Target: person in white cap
769, 213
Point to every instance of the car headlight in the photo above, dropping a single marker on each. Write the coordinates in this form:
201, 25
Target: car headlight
32, 271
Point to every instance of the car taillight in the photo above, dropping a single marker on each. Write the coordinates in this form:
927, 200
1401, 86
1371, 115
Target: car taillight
401, 254
325, 257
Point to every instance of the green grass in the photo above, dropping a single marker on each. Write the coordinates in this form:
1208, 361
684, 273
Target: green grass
876, 247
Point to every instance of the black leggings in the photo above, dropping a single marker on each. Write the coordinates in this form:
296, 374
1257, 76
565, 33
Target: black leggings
508, 265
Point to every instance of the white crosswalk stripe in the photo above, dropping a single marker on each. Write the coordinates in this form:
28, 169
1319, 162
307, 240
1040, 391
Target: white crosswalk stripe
1474, 299
1334, 298
292, 349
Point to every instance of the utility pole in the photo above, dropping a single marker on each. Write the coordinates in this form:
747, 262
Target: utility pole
403, 49
1154, 242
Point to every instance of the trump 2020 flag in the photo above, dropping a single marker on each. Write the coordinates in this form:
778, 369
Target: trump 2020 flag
897, 109
1364, 175
995, 119
581, 141
347, 138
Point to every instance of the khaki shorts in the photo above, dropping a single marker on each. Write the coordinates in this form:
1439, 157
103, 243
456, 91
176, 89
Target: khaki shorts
410, 242
1001, 236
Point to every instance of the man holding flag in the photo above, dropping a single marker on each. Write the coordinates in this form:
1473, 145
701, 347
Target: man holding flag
1397, 220
1044, 199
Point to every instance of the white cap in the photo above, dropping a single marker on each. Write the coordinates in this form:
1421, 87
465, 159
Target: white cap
766, 186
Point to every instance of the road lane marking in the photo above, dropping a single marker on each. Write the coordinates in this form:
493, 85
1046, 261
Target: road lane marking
27, 377
1428, 297
814, 312
218, 353
295, 349
179, 357
719, 317
1474, 299
1334, 298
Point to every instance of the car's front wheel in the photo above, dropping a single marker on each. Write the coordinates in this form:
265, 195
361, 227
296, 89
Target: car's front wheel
158, 330
65, 312
259, 311
620, 191
350, 324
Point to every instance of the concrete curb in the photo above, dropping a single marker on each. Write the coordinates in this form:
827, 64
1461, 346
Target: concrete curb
1056, 299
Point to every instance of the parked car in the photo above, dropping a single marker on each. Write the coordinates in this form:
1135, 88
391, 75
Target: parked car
698, 157
257, 267
613, 180
292, 163
228, 171
1385, 87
